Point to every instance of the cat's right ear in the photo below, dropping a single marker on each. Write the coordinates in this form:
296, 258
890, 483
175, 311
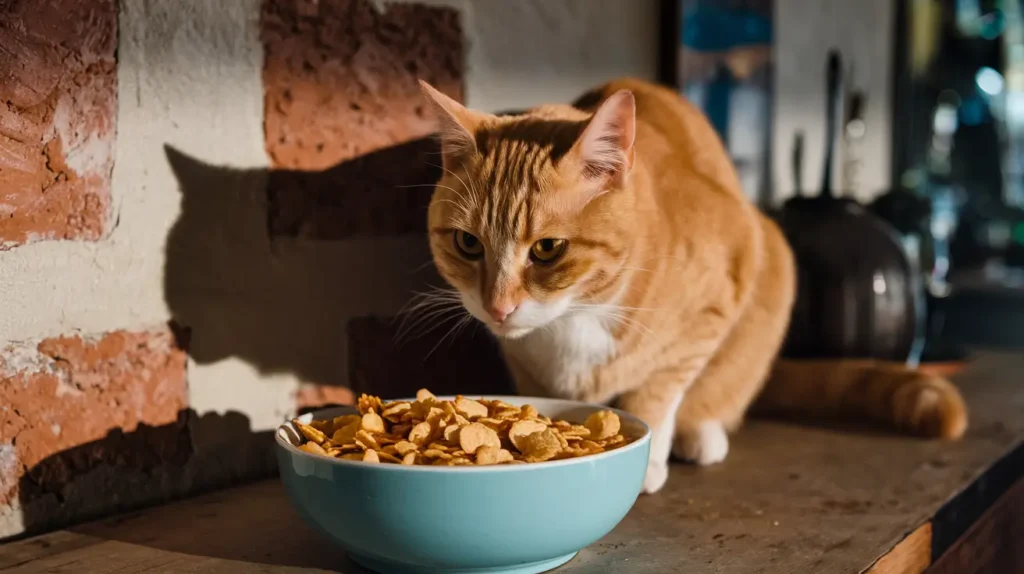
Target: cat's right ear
605, 148
456, 126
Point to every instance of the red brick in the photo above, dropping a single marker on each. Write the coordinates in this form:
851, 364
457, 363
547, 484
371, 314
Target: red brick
66, 392
340, 83
57, 107
340, 78
468, 362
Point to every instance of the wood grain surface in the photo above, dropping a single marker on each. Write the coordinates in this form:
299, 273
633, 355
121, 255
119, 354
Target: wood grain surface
789, 499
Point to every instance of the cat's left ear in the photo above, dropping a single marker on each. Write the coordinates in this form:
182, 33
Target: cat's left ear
456, 126
605, 148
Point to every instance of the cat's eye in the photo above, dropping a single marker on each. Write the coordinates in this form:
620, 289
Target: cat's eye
468, 245
547, 250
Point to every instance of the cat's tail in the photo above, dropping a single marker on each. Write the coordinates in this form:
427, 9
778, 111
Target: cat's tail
886, 393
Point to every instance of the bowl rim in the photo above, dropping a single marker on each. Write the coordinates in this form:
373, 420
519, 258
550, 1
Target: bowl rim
280, 435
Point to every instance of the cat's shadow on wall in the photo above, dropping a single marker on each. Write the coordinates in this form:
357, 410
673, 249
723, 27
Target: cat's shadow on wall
302, 271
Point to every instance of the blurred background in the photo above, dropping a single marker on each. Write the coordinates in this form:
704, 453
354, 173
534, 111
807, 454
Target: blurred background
928, 140
212, 213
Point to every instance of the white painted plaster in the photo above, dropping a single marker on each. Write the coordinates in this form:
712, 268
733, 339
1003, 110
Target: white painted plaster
804, 32
529, 52
189, 76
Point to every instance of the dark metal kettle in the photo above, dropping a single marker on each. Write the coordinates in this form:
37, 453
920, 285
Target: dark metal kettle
857, 295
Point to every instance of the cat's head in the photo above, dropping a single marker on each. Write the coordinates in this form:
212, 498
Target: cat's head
533, 218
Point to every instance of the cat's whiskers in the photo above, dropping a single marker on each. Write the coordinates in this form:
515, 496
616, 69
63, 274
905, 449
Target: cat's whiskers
419, 268
414, 185
618, 314
463, 208
467, 320
452, 331
425, 323
421, 301
628, 320
411, 322
422, 298
429, 306
424, 306
462, 204
632, 323
472, 189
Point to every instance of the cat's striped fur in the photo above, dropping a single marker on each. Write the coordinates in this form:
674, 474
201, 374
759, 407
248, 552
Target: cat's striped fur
669, 293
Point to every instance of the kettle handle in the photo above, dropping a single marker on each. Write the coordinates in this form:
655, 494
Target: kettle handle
833, 78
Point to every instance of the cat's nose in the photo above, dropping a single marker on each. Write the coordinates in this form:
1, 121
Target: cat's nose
500, 311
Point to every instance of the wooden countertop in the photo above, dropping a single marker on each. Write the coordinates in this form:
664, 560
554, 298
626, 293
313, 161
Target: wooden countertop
789, 498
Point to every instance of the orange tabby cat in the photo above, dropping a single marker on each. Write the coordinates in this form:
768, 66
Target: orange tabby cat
610, 248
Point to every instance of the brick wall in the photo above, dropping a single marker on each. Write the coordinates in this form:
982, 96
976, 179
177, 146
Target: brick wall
57, 124
345, 122
211, 214
106, 410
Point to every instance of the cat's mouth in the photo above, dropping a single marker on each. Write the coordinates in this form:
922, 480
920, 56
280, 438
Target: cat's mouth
530, 316
507, 330
510, 331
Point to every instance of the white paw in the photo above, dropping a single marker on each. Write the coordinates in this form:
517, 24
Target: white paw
709, 445
657, 474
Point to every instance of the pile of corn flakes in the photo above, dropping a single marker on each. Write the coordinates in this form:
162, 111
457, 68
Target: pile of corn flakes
431, 431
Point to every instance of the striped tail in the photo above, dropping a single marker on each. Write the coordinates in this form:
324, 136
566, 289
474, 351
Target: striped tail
889, 394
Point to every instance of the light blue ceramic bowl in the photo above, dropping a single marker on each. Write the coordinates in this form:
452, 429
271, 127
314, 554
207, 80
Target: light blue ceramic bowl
519, 519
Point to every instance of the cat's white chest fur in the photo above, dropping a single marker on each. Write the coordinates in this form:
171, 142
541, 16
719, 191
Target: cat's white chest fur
561, 356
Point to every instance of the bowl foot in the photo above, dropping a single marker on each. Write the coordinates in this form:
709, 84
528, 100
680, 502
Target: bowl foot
386, 567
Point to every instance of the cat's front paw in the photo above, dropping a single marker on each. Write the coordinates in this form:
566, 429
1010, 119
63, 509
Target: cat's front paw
707, 444
657, 474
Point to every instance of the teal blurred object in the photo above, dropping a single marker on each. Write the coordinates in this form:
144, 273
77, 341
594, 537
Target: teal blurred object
723, 65
518, 519
712, 26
